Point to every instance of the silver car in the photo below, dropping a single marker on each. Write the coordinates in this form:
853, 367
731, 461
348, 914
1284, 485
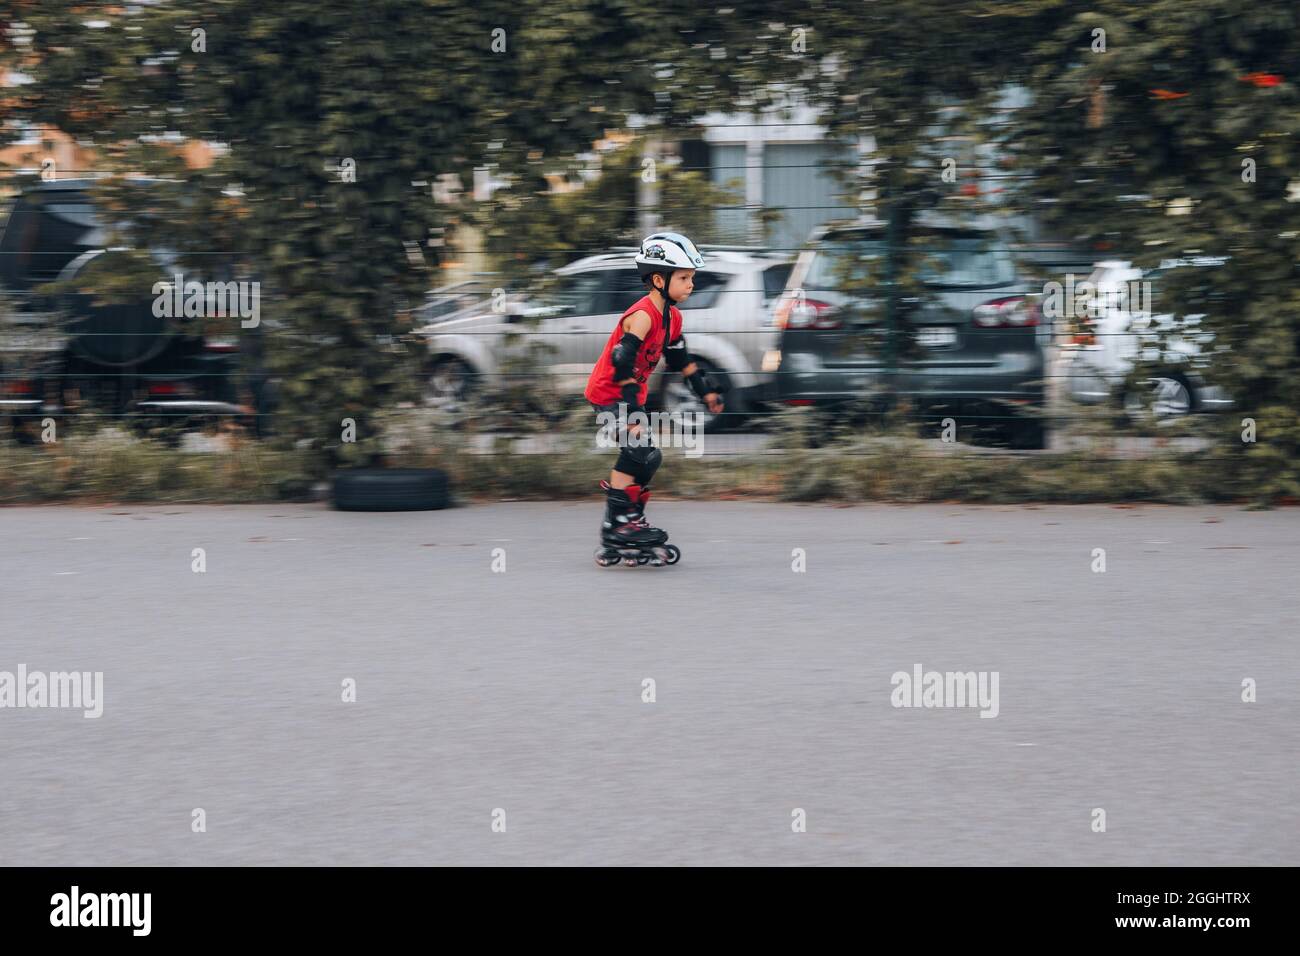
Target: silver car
1123, 329
726, 324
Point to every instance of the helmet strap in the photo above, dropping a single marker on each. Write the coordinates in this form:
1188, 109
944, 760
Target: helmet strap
668, 303
668, 277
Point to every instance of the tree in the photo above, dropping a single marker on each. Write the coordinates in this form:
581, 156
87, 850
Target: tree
525, 224
396, 93
1177, 136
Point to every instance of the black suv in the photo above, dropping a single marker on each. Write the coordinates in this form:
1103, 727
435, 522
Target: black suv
977, 344
60, 352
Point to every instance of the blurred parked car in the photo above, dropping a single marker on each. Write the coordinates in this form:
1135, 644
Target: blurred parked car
1122, 330
459, 298
726, 328
62, 352
979, 354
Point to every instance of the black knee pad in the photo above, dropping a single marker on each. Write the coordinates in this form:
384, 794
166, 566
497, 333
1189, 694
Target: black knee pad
639, 462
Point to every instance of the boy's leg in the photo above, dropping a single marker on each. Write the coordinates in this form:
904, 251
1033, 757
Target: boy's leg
638, 460
629, 458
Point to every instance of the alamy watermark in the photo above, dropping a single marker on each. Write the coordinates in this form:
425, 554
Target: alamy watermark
208, 300
922, 688
678, 429
1084, 299
65, 689
127, 910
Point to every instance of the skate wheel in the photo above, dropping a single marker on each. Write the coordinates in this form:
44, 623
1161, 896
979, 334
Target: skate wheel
674, 554
605, 559
642, 559
629, 562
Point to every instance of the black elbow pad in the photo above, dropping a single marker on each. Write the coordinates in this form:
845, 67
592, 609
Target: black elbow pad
623, 356
675, 354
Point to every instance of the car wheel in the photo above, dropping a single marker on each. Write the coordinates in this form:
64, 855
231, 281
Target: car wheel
1162, 398
676, 398
24, 430
449, 384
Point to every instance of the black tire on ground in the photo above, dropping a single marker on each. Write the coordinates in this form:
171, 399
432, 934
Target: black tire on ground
391, 489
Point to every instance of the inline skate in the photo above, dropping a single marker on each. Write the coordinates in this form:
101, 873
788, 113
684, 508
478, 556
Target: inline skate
625, 535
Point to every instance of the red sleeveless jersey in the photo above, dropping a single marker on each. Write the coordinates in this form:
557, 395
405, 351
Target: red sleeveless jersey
601, 389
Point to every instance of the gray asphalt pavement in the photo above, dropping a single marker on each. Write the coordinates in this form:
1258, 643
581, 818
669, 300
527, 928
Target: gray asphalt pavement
521, 689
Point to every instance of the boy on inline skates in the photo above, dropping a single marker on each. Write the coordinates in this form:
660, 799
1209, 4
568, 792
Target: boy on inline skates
651, 327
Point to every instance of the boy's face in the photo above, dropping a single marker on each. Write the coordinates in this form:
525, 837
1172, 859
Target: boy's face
681, 284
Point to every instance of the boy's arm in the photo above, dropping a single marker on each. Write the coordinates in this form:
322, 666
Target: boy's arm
635, 329
638, 324
679, 360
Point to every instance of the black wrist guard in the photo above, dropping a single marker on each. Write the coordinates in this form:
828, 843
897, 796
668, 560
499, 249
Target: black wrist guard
701, 384
675, 354
632, 395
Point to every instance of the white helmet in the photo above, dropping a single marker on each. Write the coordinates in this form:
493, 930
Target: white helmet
665, 252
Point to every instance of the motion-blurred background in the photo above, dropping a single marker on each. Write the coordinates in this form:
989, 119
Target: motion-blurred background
955, 249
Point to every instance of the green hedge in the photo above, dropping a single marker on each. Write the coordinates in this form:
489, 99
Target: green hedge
874, 464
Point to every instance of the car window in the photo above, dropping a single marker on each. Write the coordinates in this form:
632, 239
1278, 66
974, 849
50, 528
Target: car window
775, 278
614, 290
78, 213
446, 301
951, 260
40, 239
708, 287
1193, 280
443, 305
841, 264
569, 294
966, 261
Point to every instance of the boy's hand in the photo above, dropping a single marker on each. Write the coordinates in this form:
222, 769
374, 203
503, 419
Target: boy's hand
714, 402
